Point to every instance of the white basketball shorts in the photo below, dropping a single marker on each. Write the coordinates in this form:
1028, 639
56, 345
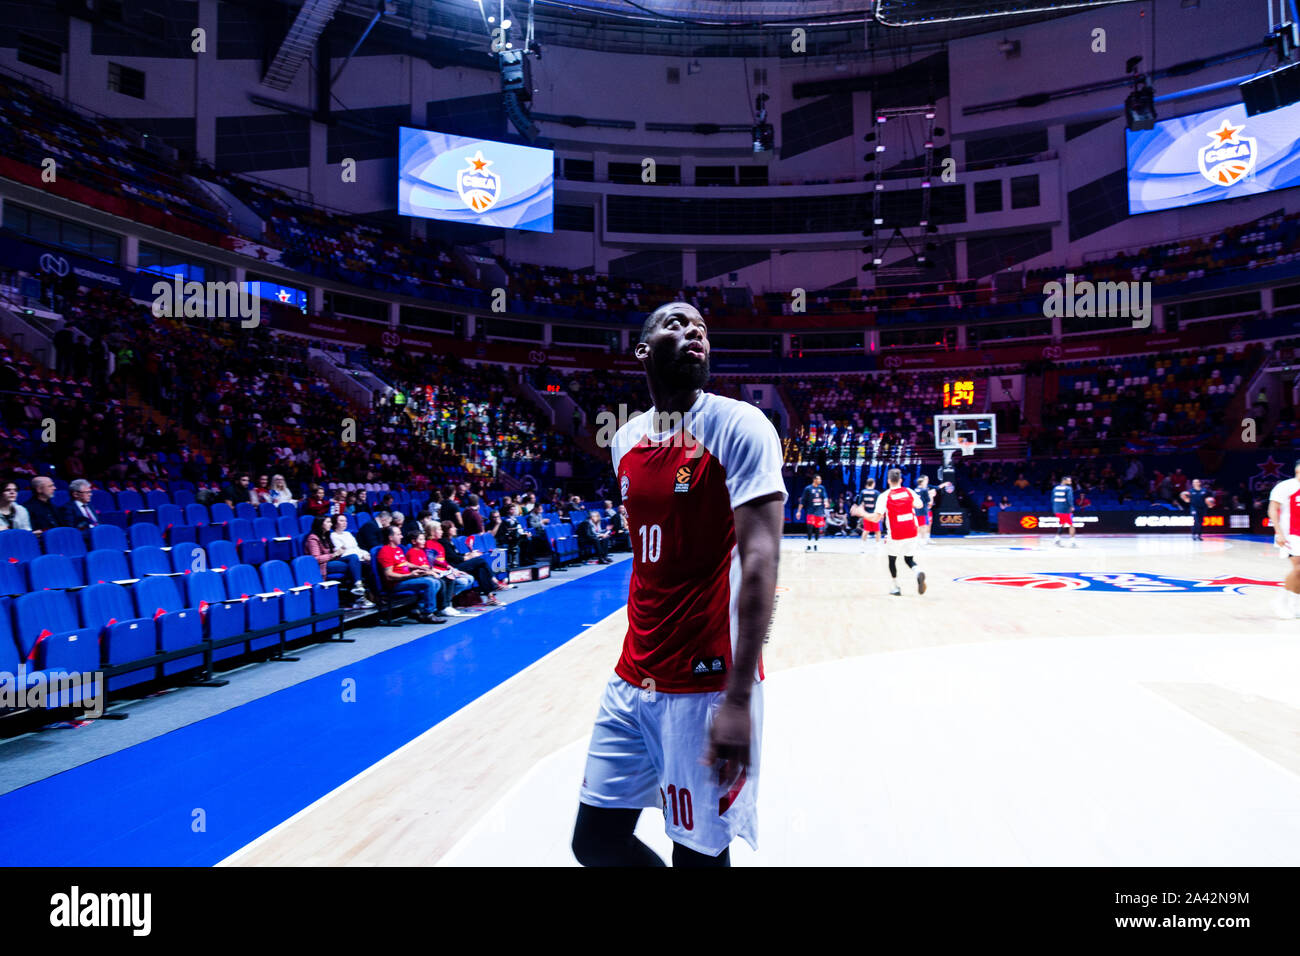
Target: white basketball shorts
645, 752
903, 547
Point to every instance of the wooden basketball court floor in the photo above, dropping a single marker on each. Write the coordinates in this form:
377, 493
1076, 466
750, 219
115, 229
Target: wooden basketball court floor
1140, 708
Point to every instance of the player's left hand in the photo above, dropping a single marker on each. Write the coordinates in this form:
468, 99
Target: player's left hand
729, 739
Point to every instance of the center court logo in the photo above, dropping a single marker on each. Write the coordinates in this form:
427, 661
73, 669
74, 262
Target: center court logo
478, 186
1229, 158
1131, 582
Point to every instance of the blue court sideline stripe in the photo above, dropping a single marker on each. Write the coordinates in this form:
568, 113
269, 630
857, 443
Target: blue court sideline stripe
197, 794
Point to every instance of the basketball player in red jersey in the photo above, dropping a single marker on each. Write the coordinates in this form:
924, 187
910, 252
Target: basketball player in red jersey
680, 722
899, 506
1284, 516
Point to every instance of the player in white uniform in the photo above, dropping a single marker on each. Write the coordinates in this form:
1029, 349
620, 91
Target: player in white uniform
898, 506
1284, 515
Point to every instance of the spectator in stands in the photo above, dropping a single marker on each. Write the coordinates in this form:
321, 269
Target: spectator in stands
594, 537
1021, 482
78, 513
316, 505
422, 562
448, 509
279, 493
472, 563
374, 533
238, 492
623, 530
509, 534
438, 560
837, 519
12, 514
263, 489
332, 560
399, 576
471, 520
343, 540
339, 503
493, 525
398, 520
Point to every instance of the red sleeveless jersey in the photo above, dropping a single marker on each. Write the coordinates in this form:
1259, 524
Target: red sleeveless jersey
900, 508
680, 488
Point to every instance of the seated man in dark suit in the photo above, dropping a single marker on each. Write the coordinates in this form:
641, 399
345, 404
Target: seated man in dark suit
595, 538
42, 511
372, 534
78, 513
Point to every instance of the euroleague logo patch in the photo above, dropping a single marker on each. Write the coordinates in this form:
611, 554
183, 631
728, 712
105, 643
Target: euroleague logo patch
683, 479
623, 485
1129, 582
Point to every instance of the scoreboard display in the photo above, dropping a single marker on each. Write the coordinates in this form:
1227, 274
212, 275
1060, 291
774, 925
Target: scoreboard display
959, 394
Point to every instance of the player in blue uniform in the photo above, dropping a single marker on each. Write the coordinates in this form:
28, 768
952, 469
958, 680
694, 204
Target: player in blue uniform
1063, 505
813, 501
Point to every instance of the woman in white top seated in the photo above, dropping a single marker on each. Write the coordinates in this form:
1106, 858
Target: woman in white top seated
342, 539
12, 514
279, 493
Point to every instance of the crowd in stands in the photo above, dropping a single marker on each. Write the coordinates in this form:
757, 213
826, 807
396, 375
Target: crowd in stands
1142, 401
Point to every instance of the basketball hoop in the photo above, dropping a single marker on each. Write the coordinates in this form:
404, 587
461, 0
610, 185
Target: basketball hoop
966, 445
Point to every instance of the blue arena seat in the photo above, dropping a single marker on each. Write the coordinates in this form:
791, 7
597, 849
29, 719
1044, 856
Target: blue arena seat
246, 510
286, 527
54, 571
50, 635
276, 548
13, 579
324, 594
206, 590
107, 565
261, 611
222, 513
102, 500
123, 635
187, 558
297, 601
183, 497
222, 554
178, 626
143, 535
17, 544
67, 541
149, 560
268, 510
108, 536
129, 501
156, 499
288, 510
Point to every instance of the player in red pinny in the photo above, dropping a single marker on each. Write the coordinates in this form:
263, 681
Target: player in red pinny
898, 506
680, 722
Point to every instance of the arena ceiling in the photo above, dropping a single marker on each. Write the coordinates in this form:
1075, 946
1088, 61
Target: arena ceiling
739, 28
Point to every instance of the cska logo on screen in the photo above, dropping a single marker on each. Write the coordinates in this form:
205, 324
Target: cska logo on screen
478, 186
1228, 159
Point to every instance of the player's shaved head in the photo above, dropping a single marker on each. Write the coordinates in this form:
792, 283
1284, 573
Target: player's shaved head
895, 476
656, 318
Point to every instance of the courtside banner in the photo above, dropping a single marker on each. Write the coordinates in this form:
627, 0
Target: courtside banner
1122, 522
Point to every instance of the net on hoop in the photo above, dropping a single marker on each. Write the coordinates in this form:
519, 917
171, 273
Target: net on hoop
966, 446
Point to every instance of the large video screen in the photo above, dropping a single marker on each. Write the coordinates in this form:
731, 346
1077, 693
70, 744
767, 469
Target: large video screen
1217, 154
478, 181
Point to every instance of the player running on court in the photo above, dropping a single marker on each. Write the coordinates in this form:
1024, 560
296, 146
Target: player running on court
866, 501
813, 501
926, 497
898, 506
680, 722
1284, 516
1063, 505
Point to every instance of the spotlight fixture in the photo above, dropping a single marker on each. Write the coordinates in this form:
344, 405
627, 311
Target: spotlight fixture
880, 187
876, 260
879, 222
868, 250
1140, 108
929, 114
880, 148
939, 131
929, 144
925, 184
869, 137
881, 118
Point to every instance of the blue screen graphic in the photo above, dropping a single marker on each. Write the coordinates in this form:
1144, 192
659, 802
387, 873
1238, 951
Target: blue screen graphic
1213, 155
477, 181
